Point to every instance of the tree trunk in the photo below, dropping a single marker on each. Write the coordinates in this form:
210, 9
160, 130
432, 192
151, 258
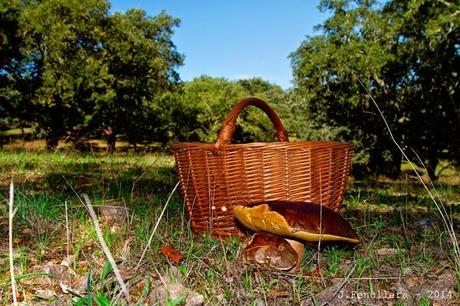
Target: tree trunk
379, 165
52, 138
111, 141
52, 141
393, 169
431, 165
376, 161
55, 125
111, 138
23, 133
136, 148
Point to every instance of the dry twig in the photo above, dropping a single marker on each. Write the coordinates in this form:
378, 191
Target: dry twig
104, 246
156, 226
11, 214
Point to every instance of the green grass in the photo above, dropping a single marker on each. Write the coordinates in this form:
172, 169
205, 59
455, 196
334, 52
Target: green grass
17, 132
44, 182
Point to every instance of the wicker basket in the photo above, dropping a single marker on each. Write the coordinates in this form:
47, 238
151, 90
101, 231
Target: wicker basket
216, 177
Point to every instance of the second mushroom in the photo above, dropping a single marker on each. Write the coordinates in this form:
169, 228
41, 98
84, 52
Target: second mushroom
283, 227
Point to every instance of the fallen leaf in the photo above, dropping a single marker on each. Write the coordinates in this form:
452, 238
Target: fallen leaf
27, 231
57, 272
275, 293
315, 272
38, 280
171, 254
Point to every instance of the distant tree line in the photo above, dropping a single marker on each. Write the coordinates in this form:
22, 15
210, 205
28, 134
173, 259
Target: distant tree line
72, 69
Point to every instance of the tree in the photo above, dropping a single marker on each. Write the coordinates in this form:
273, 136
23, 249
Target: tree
141, 60
206, 102
64, 59
14, 81
73, 68
405, 54
432, 36
254, 125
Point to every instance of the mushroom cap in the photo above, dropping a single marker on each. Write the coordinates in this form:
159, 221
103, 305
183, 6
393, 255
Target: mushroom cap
270, 251
297, 220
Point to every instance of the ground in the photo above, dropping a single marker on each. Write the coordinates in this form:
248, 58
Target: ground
406, 255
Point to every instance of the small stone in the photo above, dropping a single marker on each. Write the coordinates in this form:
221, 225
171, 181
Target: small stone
406, 271
67, 261
194, 299
27, 231
65, 288
45, 294
389, 251
57, 272
424, 223
113, 214
173, 291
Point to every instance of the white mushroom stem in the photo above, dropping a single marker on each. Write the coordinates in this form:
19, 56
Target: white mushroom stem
299, 248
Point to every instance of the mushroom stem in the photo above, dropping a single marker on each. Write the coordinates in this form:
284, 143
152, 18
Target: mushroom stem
299, 248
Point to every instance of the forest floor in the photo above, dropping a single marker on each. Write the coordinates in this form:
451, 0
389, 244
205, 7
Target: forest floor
405, 256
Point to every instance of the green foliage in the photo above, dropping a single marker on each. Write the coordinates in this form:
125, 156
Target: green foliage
206, 101
406, 54
13, 80
73, 68
62, 52
141, 59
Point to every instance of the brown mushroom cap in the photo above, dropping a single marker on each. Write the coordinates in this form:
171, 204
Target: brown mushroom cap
270, 251
296, 220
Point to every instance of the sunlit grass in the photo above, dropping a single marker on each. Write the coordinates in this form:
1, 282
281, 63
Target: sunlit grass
141, 183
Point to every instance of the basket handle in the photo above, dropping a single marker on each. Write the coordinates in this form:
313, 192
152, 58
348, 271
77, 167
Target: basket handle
228, 126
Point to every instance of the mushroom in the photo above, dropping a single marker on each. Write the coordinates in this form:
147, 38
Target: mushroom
270, 251
295, 220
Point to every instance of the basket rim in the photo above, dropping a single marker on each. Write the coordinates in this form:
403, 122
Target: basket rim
275, 144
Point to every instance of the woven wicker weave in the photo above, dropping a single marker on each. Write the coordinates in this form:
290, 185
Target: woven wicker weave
216, 177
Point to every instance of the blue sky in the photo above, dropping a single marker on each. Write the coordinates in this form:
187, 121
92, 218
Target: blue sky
235, 38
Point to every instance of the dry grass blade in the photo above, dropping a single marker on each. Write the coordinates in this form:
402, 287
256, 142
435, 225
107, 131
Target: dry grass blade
444, 214
11, 214
156, 225
439, 205
67, 231
447, 222
104, 246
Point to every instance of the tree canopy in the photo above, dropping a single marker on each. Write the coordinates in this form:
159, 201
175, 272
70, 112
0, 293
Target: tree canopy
206, 101
406, 54
74, 67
